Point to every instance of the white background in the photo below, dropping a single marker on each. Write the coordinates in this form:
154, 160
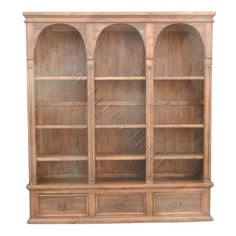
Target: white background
14, 209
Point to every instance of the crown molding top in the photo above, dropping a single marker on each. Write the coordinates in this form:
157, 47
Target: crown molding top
118, 16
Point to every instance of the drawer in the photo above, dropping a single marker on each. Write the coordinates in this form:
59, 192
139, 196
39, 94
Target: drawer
75, 204
120, 204
178, 203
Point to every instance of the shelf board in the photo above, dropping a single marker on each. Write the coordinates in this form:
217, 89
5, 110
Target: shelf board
119, 181
61, 126
178, 156
182, 180
120, 78
179, 78
62, 158
121, 126
101, 181
100, 103
120, 103
61, 103
179, 103
178, 125
119, 157
62, 181
74, 78
155, 103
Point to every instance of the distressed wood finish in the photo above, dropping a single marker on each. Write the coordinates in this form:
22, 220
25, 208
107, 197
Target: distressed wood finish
119, 108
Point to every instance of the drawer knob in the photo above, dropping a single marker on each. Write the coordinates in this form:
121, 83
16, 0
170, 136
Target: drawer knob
61, 206
177, 204
120, 205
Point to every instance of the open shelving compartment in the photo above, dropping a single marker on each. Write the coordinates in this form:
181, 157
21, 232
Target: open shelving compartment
178, 104
61, 106
120, 105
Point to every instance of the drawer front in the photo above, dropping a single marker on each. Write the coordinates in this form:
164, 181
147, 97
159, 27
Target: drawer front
120, 204
63, 204
177, 203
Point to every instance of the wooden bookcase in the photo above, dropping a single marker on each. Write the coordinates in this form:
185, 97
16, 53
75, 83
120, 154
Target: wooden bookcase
119, 111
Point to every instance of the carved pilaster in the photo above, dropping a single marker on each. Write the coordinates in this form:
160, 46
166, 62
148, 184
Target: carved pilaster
149, 120
91, 120
207, 120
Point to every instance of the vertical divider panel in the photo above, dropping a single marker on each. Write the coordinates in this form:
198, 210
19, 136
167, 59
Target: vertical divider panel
91, 105
91, 121
149, 203
207, 120
31, 105
207, 103
92, 204
149, 103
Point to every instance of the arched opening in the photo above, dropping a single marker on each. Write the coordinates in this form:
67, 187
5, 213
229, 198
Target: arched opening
60, 51
120, 51
179, 51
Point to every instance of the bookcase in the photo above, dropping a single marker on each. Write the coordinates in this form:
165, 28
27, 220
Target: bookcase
119, 113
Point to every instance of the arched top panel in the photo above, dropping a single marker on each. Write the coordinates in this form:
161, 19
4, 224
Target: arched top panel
60, 51
119, 51
179, 51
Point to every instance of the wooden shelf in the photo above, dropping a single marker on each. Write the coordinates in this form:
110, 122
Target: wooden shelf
100, 181
179, 103
61, 126
121, 78
121, 126
119, 157
62, 158
184, 180
120, 181
120, 103
74, 78
61, 103
178, 156
179, 78
178, 125
101, 103
62, 181
142, 103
